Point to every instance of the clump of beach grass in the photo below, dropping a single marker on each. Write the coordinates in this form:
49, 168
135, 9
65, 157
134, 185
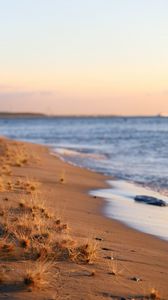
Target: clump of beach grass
85, 253
5, 170
38, 203
29, 232
154, 294
39, 275
13, 154
17, 155
61, 250
80, 254
35, 205
29, 185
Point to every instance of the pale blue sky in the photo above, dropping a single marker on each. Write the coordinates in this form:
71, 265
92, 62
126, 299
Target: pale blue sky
76, 51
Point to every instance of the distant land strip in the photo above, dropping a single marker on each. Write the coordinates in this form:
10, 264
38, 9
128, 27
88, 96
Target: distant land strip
11, 115
21, 115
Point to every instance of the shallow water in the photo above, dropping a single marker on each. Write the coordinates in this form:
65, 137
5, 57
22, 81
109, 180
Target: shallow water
121, 206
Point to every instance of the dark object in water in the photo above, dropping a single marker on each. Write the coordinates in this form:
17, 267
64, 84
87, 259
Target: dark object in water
150, 200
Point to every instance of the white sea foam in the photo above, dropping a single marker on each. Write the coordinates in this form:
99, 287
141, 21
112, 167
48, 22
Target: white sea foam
73, 153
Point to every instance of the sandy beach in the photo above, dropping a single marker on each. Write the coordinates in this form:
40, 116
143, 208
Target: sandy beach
126, 264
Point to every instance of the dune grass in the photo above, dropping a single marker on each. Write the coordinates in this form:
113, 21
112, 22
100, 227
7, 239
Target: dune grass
31, 235
13, 154
40, 275
30, 226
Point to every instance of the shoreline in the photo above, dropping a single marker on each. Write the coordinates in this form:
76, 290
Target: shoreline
103, 193
137, 255
120, 205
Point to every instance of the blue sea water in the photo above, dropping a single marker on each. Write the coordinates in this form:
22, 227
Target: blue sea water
133, 149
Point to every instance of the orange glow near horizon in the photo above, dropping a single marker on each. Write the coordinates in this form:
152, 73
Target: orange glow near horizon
90, 57
82, 100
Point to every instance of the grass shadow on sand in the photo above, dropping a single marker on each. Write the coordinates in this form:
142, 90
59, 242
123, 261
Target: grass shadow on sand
12, 287
133, 297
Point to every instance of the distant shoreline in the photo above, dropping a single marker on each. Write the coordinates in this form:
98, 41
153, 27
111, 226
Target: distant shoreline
8, 115
20, 115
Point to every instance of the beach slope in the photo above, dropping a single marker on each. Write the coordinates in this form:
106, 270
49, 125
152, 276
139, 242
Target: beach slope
122, 263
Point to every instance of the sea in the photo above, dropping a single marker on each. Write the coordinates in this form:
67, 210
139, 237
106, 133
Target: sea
132, 151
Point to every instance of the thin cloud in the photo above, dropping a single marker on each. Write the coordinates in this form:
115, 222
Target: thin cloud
25, 94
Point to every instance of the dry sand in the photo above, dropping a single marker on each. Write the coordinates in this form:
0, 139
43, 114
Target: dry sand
127, 253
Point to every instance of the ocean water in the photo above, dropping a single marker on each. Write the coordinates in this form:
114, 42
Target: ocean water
133, 150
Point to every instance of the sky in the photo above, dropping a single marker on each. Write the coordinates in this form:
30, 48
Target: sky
84, 56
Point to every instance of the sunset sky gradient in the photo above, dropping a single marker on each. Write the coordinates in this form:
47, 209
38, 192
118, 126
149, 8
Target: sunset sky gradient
84, 57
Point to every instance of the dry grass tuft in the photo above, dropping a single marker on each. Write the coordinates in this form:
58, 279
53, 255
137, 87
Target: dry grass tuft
28, 185
34, 205
40, 275
154, 294
61, 251
42, 234
57, 248
31, 185
38, 203
23, 225
25, 205
59, 227
114, 267
17, 155
21, 239
5, 170
86, 253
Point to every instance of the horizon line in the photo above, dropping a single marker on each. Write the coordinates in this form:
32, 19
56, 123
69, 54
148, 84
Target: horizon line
41, 114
